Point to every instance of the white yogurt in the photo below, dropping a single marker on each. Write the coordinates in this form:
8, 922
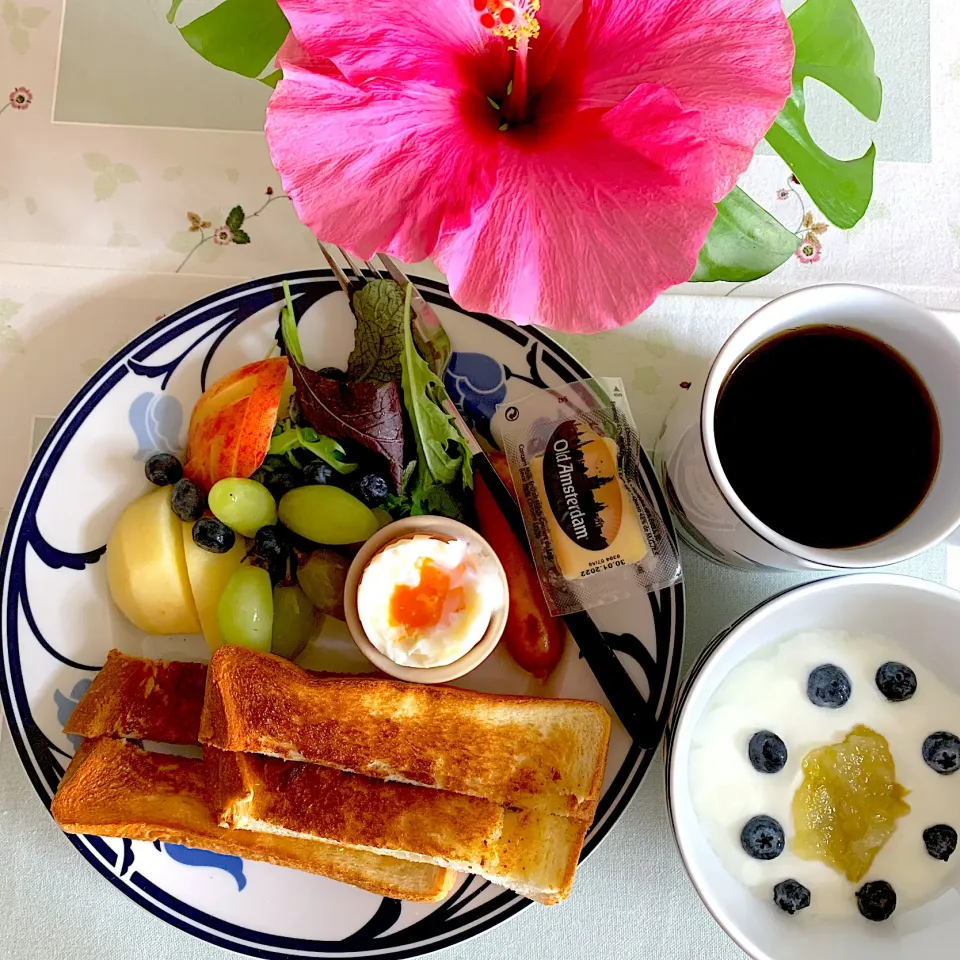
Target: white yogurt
769, 692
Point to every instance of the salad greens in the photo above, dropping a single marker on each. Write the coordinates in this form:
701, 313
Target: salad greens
365, 412
288, 327
378, 307
366, 407
288, 437
443, 471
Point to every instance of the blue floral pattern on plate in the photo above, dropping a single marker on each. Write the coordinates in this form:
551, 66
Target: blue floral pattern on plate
204, 858
65, 705
477, 384
156, 420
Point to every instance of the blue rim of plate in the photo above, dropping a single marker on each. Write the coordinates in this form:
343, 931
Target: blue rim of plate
448, 924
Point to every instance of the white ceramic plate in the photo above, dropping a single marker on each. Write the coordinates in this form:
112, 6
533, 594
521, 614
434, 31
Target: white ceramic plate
59, 623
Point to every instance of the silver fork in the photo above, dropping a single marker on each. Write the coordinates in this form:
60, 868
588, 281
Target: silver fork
431, 339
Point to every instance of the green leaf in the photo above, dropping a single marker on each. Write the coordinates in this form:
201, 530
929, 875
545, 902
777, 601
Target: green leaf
378, 344
241, 236
288, 327
98, 162
11, 13
239, 35
235, 218
744, 243
833, 47
442, 453
125, 173
105, 185
32, 17
272, 79
19, 39
326, 449
292, 437
172, 12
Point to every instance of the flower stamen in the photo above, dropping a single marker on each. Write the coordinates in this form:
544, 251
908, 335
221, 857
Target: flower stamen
513, 20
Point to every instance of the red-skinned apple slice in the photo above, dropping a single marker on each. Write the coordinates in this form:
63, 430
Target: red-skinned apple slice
232, 422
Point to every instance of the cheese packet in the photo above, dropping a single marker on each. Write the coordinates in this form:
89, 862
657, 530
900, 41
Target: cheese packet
575, 457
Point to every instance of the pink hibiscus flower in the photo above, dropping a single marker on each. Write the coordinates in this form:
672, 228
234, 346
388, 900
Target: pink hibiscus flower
559, 163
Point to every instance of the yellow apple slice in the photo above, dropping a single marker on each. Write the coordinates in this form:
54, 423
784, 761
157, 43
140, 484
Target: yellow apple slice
146, 567
209, 573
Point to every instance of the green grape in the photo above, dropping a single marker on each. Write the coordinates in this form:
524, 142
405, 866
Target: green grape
383, 517
243, 505
295, 621
327, 514
245, 611
322, 575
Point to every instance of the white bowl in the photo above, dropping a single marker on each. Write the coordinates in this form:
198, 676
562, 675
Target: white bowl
925, 618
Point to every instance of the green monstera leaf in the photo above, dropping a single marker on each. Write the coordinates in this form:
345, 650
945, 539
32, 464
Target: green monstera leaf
242, 36
745, 242
833, 47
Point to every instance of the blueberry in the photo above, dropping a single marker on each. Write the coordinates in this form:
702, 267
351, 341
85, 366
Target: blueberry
271, 546
791, 896
767, 752
762, 838
877, 900
163, 469
941, 752
940, 841
371, 489
281, 481
319, 472
210, 534
188, 500
896, 681
332, 373
828, 686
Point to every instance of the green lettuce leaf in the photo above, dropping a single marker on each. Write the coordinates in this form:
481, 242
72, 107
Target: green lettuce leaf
288, 327
442, 454
238, 35
378, 308
833, 47
289, 437
744, 243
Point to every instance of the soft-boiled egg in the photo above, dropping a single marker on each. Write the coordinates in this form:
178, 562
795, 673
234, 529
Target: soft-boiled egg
425, 602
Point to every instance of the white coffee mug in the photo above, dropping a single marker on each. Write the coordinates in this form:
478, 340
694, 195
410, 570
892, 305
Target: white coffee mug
716, 521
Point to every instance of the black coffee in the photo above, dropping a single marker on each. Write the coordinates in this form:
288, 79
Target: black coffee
827, 435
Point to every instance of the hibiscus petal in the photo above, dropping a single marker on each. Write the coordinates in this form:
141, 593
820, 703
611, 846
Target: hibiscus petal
387, 166
435, 41
582, 233
556, 19
730, 59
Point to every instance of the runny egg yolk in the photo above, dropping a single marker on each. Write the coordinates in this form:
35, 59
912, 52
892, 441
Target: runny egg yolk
421, 606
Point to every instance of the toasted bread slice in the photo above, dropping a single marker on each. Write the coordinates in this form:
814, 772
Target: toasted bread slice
527, 752
527, 851
113, 788
142, 700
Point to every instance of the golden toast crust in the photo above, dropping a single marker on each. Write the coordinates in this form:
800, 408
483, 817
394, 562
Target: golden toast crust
345, 808
526, 850
113, 788
142, 699
516, 751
